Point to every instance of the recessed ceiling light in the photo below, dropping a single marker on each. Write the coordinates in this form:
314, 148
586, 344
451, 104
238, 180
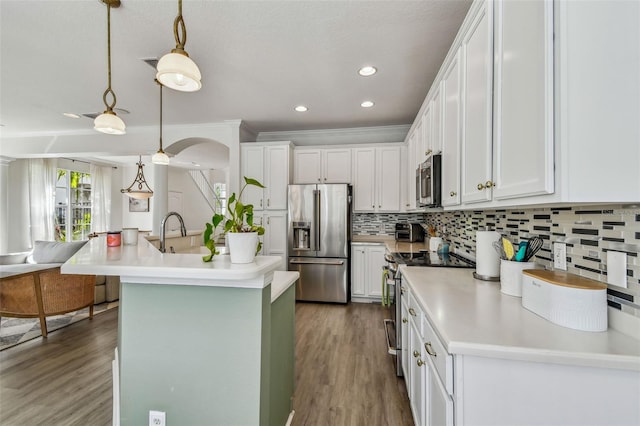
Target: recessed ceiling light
301, 108
367, 71
367, 104
71, 114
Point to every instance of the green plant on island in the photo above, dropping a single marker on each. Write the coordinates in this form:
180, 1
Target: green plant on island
239, 218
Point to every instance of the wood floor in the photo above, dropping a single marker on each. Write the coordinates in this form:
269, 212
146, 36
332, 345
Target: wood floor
343, 375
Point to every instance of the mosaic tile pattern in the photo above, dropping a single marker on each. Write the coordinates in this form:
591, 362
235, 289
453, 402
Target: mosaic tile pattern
588, 231
381, 223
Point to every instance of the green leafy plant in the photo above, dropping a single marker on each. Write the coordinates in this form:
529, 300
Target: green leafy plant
239, 218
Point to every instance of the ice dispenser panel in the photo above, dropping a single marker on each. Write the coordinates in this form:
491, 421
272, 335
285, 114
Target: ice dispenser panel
302, 235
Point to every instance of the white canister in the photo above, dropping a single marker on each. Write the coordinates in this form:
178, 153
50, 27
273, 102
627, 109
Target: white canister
434, 243
130, 236
511, 276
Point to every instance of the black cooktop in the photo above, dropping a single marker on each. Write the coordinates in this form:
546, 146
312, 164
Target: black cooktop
424, 258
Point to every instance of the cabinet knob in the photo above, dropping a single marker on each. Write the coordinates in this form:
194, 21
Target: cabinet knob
407, 205
318, 179
412, 312
404, 320
453, 194
429, 349
420, 362
427, 152
325, 179
489, 184
416, 354
480, 187
379, 206
373, 207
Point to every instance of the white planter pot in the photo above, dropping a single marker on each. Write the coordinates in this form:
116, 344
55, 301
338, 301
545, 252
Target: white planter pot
242, 246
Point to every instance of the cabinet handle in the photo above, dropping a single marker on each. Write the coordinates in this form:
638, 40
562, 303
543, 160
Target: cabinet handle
268, 221
412, 312
429, 349
489, 184
402, 290
453, 194
404, 320
427, 152
480, 187
261, 202
416, 354
420, 362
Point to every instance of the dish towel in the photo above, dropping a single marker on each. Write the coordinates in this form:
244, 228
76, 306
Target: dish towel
385, 288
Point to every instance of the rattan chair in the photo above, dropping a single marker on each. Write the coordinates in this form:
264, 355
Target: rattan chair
43, 293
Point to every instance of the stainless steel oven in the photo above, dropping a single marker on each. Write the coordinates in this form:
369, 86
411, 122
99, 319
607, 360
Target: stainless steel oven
393, 329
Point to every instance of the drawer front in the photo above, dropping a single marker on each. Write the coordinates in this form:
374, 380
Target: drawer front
415, 312
435, 351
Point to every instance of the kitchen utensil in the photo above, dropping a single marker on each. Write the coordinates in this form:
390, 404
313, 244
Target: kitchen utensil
509, 251
522, 251
534, 244
497, 245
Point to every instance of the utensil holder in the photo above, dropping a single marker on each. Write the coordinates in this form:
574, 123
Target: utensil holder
511, 276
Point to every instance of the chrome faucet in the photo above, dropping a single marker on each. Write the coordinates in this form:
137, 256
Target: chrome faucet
183, 230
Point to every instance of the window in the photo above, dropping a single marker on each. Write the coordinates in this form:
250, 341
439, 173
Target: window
220, 193
73, 205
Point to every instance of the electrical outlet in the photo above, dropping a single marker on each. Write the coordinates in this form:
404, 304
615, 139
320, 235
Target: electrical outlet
560, 256
157, 418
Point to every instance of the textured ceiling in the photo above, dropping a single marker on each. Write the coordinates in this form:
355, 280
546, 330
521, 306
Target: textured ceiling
258, 59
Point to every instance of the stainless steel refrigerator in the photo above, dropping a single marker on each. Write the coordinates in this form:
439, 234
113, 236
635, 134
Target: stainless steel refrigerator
319, 241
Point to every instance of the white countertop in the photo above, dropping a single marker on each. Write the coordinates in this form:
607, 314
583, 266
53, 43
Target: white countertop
176, 234
472, 317
144, 264
282, 280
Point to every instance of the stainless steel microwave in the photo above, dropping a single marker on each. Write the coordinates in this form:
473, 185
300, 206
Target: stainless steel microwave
428, 182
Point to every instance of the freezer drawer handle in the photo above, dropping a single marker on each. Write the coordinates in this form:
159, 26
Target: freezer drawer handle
390, 324
324, 262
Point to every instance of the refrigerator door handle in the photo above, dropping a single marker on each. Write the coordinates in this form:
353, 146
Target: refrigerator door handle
316, 218
317, 262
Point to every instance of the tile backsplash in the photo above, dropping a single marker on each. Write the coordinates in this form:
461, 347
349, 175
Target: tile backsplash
588, 231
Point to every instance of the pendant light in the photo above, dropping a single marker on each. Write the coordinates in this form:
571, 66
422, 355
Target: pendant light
176, 70
108, 122
136, 189
160, 157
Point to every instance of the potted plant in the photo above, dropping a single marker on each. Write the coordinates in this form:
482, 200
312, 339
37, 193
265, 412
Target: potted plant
242, 234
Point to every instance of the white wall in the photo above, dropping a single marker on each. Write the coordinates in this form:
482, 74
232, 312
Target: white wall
18, 234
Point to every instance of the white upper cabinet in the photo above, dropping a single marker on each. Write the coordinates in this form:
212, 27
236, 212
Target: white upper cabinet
477, 157
451, 132
270, 164
523, 99
376, 179
425, 129
411, 165
322, 165
436, 123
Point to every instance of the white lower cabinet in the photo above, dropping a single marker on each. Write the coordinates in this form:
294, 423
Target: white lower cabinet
367, 261
274, 240
429, 376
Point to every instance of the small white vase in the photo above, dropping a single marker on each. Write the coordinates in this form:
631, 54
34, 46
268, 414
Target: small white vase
242, 246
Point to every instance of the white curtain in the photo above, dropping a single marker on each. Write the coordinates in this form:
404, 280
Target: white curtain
100, 198
42, 192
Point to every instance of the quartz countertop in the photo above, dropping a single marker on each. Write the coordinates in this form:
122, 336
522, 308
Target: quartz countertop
472, 317
143, 263
176, 234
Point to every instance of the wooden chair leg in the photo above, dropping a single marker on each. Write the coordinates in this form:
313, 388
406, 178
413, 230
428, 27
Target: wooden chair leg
43, 325
91, 312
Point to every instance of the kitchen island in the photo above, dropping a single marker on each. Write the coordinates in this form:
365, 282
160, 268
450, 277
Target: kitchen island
491, 361
206, 343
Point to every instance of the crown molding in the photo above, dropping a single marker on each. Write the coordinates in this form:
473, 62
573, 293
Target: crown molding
357, 135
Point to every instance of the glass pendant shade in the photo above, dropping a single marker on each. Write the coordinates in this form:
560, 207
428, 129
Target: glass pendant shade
108, 122
178, 72
160, 158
